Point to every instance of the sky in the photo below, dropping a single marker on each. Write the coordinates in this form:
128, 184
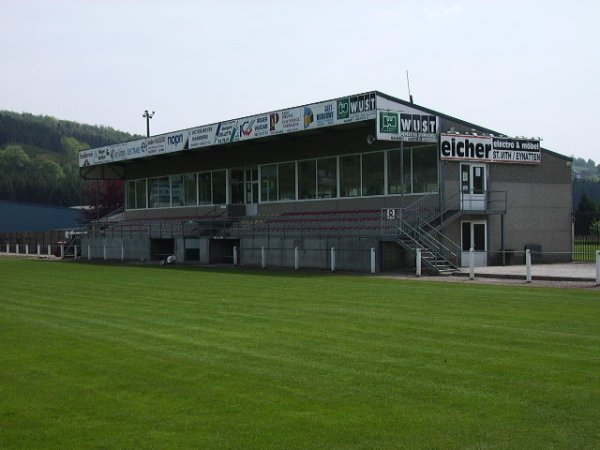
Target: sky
523, 68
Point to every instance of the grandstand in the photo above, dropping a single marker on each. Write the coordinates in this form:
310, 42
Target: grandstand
370, 176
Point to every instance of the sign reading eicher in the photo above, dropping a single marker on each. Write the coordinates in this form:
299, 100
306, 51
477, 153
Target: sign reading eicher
489, 149
407, 127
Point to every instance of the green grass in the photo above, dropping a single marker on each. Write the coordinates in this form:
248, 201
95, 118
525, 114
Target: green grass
104, 357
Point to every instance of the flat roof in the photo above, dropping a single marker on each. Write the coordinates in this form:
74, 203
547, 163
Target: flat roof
341, 111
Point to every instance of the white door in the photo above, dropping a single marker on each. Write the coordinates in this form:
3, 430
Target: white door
474, 235
252, 186
473, 185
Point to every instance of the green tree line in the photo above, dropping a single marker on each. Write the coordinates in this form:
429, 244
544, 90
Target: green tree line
39, 157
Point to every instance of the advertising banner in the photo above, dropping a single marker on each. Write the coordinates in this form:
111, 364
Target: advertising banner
227, 132
317, 115
202, 136
489, 149
357, 107
156, 145
87, 158
526, 151
407, 127
176, 141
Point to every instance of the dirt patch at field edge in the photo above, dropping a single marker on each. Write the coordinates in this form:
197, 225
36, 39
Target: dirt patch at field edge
575, 284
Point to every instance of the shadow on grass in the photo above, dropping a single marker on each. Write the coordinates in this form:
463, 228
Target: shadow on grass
221, 268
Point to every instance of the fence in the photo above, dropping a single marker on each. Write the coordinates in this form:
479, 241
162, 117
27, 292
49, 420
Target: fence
26, 242
584, 247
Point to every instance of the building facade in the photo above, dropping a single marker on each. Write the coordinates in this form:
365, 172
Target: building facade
371, 176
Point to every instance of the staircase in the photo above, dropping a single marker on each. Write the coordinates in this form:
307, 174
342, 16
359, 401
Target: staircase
418, 227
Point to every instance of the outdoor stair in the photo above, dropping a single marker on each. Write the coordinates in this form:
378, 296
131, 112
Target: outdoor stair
419, 226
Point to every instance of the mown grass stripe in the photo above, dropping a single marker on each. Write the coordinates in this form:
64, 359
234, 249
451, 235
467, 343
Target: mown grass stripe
100, 356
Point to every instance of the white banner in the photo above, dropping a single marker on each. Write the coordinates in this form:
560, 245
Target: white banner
317, 115
489, 149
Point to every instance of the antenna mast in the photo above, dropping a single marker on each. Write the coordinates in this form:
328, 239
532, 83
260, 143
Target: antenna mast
410, 97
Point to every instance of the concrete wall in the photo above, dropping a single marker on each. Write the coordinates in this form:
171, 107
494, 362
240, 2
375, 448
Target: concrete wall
350, 254
538, 204
135, 249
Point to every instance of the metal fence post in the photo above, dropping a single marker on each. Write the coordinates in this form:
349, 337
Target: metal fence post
39, 250
333, 259
597, 267
49, 249
122, 251
27, 249
62, 251
296, 258
418, 262
263, 257
235, 255
75, 252
471, 263
17, 249
528, 263
372, 260
89, 253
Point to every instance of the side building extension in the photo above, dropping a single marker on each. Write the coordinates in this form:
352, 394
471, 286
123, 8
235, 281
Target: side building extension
371, 176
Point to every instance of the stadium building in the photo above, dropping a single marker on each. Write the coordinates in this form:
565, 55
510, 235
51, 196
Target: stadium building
358, 183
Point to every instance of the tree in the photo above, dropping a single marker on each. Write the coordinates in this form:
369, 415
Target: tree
595, 228
585, 214
103, 197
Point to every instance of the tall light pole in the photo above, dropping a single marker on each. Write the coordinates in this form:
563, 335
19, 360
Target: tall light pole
148, 116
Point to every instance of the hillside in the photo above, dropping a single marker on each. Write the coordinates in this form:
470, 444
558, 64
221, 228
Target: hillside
38, 157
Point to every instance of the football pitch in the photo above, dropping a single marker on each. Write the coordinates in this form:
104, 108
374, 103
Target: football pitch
106, 357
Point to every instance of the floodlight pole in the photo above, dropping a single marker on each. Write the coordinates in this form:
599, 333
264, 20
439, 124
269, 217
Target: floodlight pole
148, 116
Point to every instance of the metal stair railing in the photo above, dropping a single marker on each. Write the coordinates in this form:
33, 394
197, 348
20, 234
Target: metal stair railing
419, 238
443, 244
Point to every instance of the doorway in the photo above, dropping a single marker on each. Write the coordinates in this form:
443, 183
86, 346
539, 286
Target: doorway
473, 186
244, 188
474, 235
252, 191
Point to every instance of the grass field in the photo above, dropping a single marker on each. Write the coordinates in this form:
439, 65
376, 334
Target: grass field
105, 357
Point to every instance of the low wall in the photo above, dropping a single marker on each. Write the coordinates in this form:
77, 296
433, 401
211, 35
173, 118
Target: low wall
349, 254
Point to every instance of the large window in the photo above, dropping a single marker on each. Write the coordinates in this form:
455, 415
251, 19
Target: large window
350, 176
327, 178
136, 194
424, 169
177, 194
140, 194
286, 174
236, 186
394, 168
159, 192
411, 170
373, 176
205, 188
219, 187
190, 189
307, 179
130, 199
268, 183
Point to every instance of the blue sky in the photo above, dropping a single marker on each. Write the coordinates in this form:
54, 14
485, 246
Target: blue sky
524, 68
